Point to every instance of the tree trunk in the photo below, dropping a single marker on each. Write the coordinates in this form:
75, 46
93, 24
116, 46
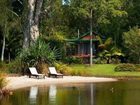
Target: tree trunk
9, 56
31, 32
34, 26
3, 48
3, 45
26, 34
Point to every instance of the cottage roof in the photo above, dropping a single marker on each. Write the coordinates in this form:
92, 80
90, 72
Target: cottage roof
84, 38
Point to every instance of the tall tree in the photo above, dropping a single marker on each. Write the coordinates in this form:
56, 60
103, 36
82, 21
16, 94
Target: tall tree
31, 27
132, 43
9, 23
133, 9
4, 9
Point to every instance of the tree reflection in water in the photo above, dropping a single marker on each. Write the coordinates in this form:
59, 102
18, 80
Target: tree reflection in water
110, 93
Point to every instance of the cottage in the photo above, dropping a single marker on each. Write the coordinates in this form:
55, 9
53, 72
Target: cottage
80, 47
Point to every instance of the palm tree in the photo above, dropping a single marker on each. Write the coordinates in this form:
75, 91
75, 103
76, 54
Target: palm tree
108, 49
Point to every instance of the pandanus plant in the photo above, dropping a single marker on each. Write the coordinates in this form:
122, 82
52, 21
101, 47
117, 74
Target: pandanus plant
39, 52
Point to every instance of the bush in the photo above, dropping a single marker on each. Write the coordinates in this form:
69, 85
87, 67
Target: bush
125, 67
63, 68
39, 52
3, 81
115, 61
67, 70
12, 67
15, 66
73, 60
42, 68
137, 67
3, 66
99, 60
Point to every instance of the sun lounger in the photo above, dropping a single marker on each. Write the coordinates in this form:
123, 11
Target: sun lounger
53, 73
34, 72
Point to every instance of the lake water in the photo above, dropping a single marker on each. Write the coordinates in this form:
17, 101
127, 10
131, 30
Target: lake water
110, 93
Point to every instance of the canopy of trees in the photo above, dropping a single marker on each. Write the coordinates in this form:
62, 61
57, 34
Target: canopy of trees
23, 21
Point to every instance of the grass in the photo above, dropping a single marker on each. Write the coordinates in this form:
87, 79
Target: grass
102, 70
105, 70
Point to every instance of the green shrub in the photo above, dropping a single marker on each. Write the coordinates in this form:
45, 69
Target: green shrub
15, 66
137, 67
3, 81
99, 61
67, 70
125, 67
73, 60
63, 68
39, 52
3, 66
115, 61
42, 68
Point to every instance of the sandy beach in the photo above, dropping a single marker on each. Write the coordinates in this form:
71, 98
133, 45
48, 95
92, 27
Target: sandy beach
25, 81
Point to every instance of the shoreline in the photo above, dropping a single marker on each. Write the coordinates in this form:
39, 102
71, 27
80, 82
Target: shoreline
24, 81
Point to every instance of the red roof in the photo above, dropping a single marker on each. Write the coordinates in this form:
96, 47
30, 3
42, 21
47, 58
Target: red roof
88, 37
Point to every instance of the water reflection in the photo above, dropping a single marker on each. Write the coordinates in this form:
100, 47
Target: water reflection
112, 93
52, 94
92, 93
33, 95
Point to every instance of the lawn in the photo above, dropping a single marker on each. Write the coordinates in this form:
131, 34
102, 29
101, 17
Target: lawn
105, 70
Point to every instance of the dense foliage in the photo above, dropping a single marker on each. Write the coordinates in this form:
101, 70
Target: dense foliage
111, 20
125, 67
3, 81
38, 53
132, 43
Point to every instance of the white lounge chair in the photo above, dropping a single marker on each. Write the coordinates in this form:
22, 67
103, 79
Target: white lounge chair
34, 72
52, 72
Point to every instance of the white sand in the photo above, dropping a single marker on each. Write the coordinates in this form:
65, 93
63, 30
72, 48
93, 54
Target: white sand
25, 81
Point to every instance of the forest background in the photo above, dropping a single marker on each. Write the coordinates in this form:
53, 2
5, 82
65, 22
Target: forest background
35, 31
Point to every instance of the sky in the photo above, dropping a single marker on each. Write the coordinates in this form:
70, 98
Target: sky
65, 2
